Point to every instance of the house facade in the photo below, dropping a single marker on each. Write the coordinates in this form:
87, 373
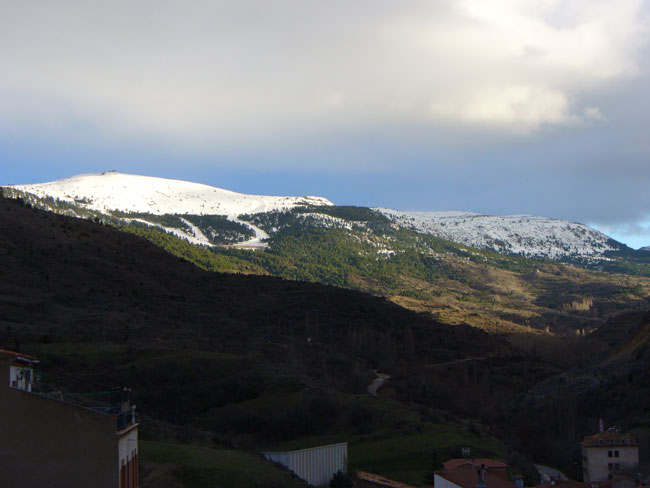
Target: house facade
48, 442
606, 453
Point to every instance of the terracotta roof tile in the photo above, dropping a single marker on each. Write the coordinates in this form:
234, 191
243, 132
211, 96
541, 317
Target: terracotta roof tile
380, 480
488, 463
17, 355
466, 477
604, 439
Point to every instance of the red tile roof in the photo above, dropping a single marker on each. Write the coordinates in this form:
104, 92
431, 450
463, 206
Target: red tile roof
377, 480
17, 355
607, 438
488, 463
466, 477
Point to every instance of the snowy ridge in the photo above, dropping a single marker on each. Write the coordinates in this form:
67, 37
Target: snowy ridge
109, 191
112, 191
526, 235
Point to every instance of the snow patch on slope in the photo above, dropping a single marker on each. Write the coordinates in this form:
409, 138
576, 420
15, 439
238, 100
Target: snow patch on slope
527, 235
192, 236
257, 242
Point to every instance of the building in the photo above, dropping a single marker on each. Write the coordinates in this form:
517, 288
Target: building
49, 442
476, 473
316, 465
606, 453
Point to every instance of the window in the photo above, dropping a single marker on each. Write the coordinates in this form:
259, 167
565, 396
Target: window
610, 466
617, 466
615, 453
623, 441
601, 442
609, 453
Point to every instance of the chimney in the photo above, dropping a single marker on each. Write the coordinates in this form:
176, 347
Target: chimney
601, 425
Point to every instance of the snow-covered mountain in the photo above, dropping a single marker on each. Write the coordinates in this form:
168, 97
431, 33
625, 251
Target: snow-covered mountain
110, 191
135, 200
527, 235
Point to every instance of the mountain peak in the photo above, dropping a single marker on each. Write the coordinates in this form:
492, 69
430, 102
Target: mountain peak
113, 190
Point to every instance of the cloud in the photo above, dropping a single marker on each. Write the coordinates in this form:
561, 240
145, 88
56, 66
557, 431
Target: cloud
634, 234
203, 73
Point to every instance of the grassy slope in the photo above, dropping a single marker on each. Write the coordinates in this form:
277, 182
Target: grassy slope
203, 467
111, 308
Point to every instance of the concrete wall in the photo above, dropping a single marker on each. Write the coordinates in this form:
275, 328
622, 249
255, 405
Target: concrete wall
128, 457
598, 460
316, 465
47, 443
440, 482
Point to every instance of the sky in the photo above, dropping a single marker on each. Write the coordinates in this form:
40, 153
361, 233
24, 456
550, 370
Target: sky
501, 107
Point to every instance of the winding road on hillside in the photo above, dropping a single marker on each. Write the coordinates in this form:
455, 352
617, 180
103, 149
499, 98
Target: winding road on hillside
457, 361
377, 382
382, 377
254, 242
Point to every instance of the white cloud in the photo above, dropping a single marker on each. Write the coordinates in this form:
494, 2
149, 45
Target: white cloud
635, 234
518, 106
204, 72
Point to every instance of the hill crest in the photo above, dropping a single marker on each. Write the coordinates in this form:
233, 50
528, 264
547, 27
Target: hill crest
112, 190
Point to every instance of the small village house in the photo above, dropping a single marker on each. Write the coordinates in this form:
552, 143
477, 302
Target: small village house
607, 455
49, 442
476, 473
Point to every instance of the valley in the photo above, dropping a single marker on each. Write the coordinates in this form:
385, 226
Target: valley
274, 348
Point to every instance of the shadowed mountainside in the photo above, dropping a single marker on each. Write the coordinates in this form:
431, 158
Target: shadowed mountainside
271, 362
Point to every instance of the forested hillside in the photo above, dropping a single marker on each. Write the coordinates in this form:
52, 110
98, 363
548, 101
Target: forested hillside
267, 362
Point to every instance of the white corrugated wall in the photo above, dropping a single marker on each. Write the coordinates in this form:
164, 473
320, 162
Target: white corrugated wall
316, 465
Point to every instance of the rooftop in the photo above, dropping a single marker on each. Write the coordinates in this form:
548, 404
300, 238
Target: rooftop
610, 437
17, 355
380, 480
488, 463
467, 477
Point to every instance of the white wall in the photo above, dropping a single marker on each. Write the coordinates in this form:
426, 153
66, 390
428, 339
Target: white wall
17, 374
598, 460
440, 482
316, 465
127, 446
